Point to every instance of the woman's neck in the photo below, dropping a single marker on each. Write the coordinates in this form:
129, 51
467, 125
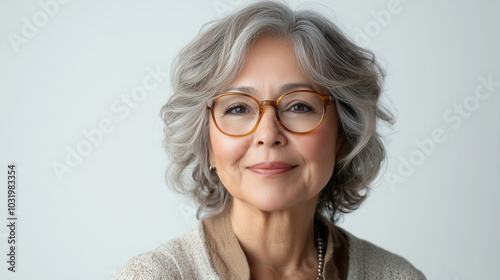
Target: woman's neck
278, 243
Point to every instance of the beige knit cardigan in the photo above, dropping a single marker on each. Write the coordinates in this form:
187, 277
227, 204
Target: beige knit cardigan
188, 257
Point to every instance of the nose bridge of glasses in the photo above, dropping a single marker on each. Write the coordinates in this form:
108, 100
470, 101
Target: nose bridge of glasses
271, 103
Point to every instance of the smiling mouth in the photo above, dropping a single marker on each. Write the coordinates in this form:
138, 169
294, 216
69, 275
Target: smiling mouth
271, 168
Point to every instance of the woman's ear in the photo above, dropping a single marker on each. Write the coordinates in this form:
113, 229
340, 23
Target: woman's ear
342, 146
211, 157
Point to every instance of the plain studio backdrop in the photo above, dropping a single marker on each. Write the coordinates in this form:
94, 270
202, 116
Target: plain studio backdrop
82, 83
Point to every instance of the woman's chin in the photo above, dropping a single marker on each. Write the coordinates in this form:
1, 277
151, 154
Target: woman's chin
273, 201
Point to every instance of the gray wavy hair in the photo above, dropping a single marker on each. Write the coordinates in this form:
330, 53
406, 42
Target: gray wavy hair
214, 58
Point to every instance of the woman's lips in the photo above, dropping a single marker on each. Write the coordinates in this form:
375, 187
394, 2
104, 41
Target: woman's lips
271, 168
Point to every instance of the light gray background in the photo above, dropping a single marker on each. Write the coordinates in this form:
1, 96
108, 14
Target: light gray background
437, 206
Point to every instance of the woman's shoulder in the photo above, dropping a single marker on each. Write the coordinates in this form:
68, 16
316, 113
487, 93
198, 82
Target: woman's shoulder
367, 260
185, 257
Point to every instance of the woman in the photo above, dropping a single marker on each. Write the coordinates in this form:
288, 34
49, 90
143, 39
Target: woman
272, 129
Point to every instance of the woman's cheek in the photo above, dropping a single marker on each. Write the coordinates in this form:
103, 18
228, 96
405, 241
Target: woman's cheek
227, 153
317, 148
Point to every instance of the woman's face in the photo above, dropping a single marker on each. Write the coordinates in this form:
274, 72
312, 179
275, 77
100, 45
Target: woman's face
271, 168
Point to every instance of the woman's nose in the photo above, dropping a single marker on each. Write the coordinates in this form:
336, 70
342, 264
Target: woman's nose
269, 132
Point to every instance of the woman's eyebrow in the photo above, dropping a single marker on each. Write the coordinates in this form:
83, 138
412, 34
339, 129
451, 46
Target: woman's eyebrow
290, 87
248, 90
284, 89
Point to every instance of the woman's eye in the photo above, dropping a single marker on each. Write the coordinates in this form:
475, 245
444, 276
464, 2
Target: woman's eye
300, 108
236, 110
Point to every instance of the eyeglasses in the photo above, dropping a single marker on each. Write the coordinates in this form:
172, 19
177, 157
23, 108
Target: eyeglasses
239, 114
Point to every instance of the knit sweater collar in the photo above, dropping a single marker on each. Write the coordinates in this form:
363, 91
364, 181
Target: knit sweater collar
230, 261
